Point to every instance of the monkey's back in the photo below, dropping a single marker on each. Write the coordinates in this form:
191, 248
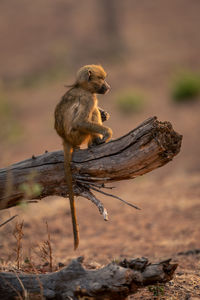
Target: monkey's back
68, 110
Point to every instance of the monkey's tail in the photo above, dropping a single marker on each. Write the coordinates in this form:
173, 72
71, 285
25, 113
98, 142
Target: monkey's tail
68, 150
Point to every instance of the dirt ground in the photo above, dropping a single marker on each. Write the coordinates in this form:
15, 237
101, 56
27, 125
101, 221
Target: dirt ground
167, 38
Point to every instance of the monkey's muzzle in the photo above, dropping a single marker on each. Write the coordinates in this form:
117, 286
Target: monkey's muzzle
104, 88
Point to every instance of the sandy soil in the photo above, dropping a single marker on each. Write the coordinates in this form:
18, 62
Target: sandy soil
169, 197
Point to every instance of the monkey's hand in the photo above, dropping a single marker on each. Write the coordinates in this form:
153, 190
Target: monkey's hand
104, 114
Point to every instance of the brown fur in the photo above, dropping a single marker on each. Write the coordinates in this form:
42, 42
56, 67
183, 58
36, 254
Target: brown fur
78, 120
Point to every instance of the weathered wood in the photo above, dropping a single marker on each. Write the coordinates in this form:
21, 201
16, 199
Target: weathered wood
114, 281
149, 146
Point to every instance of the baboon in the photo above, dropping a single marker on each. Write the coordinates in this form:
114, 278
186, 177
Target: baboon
78, 120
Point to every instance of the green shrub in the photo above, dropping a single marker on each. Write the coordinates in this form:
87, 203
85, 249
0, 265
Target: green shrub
130, 102
156, 290
186, 87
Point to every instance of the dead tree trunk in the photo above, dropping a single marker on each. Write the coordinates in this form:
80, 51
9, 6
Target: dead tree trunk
114, 281
147, 147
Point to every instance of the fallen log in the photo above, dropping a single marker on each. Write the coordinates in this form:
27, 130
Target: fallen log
114, 281
149, 146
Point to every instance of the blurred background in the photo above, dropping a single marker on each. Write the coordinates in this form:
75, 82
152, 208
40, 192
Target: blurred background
151, 52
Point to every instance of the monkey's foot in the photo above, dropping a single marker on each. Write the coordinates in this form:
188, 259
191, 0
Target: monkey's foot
95, 142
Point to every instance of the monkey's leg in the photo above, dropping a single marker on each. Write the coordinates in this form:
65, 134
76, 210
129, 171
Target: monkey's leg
67, 157
95, 139
94, 128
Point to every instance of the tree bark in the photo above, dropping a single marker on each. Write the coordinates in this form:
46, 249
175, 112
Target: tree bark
114, 281
149, 146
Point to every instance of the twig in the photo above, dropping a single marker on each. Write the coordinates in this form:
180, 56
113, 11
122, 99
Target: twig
50, 248
116, 197
86, 193
91, 178
12, 287
21, 283
107, 187
38, 279
32, 200
10, 219
96, 184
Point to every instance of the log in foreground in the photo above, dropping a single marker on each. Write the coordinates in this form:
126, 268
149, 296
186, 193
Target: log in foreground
114, 281
149, 146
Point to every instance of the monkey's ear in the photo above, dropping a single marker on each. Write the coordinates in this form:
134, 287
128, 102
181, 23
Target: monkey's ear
89, 75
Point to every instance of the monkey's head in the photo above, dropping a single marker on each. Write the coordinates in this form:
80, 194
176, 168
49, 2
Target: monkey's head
92, 79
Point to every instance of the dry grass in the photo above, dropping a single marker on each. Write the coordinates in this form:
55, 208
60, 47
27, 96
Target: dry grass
45, 250
162, 229
18, 235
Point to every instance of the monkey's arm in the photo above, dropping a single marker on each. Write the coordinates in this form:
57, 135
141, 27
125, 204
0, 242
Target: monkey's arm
83, 124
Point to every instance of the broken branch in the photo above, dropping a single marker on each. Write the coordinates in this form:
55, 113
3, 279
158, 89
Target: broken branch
149, 146
114, 281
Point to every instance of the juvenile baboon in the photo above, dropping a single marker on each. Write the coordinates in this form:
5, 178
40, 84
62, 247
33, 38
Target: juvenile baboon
78, 120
